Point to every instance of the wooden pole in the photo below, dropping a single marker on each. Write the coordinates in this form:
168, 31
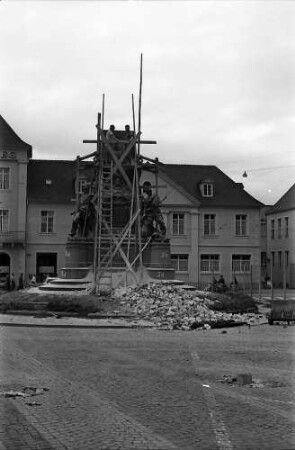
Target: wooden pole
251, 281
284, 276
95, 250
100, 123
77, 182
271, 275
103, 107
157, 176
133, 183
136, 173
133, 113
259, 288
140, 101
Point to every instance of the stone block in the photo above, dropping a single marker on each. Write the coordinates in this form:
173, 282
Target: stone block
244, 379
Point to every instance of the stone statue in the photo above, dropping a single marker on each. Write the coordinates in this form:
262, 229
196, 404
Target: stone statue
84, 219
152, 220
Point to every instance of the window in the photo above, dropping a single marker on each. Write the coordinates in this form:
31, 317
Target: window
263, 229
241, 225
4, 217
263, 260
272, 229
280, 259
209, 224
210, 263
286, 258
286, 226
279, 228
273, 258
4, 178
208, 189
178, 224
83, 183
180, 262
47, 221
241, 263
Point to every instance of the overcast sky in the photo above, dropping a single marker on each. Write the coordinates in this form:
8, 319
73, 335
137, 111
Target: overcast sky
218, 81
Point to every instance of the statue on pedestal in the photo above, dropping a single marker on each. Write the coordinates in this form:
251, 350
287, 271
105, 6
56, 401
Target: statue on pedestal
84, 218
152, 214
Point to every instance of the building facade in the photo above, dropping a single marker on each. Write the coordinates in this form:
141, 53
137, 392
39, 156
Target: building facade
14, 158
213, 224
281, 240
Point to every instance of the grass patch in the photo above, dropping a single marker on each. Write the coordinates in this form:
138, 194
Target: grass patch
238, 304
81, 306
78, 304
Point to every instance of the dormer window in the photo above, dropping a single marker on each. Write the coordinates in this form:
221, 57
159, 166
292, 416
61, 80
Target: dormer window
207, 188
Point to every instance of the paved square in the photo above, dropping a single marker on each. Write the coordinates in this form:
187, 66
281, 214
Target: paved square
147, 389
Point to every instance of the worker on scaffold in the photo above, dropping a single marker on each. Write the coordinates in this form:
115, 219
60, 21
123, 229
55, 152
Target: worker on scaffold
110, 134
151, 214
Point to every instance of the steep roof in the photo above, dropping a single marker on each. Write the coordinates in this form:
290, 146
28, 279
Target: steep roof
60, 184
285, 203
9, 140
227, 193
61, 190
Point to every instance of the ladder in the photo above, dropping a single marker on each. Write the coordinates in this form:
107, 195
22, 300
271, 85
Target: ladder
105, 217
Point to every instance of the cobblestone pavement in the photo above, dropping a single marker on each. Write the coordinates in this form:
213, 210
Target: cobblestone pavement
147, 389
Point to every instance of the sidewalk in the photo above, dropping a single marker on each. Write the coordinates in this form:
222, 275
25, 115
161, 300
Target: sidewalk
72, 322
277, 294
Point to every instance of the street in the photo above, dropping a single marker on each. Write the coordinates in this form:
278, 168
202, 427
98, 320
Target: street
148, 389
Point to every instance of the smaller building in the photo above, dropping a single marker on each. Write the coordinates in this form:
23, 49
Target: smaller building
281, 240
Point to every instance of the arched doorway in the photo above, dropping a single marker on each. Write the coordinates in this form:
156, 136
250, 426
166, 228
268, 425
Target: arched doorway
4, 268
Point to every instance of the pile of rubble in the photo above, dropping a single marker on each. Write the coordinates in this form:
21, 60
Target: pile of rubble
172, 307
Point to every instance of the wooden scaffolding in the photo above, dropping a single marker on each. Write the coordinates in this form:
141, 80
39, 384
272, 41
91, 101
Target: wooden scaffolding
117, 164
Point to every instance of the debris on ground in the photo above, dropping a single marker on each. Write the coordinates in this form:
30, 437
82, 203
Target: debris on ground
27, 391
244, 379
173, 308
241, 380
35, 391
228, 379
13, 394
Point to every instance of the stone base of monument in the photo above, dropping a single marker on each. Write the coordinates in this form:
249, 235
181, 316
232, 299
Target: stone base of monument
157, 262
79, 252
77, 275
156, 259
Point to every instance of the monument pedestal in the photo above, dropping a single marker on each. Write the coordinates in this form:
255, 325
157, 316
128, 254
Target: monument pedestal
157, 255
156, 259
79, 253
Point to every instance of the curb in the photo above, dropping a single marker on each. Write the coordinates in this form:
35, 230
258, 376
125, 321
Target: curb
39, 325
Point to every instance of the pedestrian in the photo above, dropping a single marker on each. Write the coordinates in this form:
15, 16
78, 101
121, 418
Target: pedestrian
234, 284
12, 282
33, 280
20, 282
7, 283
214, 285
221, 284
